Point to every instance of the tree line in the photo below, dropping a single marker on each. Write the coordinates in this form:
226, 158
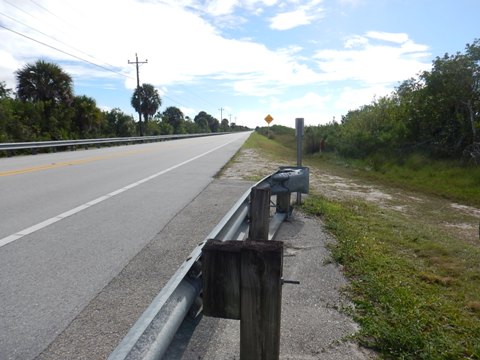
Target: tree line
44, 107
436, 114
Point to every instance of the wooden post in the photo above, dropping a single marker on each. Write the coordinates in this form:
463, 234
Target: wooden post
283, 202
261, 294
259, 212
221, 278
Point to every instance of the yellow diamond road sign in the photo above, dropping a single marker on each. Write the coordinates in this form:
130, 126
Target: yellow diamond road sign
269, 118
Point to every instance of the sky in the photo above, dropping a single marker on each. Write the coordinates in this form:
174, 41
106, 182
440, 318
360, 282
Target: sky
237, 59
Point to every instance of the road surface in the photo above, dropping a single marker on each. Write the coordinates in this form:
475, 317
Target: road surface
70, 222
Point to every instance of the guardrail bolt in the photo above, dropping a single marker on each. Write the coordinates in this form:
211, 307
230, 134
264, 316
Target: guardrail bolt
294, 282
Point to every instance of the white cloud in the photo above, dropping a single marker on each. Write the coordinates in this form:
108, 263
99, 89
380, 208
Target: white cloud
353, 3
184, 48
365, 60
398, 38
308, 103
290, 20
353, 98
8, 66
355, 41
313, 107
301, 15
217, 8
180, 46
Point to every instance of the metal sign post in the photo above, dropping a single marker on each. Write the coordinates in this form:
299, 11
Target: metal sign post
268, 119
299, 134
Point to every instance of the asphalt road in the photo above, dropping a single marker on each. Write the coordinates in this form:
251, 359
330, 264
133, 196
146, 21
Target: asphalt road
70, 222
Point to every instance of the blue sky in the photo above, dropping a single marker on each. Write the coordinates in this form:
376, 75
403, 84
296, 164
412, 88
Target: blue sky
314, 59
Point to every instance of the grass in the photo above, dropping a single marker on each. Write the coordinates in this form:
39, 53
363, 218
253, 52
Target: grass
415, 288
448, 179
274, 148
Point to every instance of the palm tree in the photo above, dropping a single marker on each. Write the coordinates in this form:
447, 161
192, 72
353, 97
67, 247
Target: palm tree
45, 82
146, 100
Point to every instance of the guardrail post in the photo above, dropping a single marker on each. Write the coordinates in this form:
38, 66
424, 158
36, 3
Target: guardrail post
283, 203
221, 278
259, 212
242, 280
261, 299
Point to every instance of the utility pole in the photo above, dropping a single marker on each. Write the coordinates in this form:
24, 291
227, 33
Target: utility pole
136, 62
221, 114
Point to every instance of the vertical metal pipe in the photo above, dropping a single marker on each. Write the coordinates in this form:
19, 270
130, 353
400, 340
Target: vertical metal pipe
299, 134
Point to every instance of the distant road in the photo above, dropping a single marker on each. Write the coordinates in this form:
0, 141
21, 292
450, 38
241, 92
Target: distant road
71, 221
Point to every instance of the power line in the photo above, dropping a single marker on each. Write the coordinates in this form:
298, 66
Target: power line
81, 59
64, 52
75, 56
51, 37
16, 7
51, 13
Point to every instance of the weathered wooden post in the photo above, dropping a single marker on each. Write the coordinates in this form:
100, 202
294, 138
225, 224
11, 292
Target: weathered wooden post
259, 212
283, 203
221, 278
243, 280
261, 299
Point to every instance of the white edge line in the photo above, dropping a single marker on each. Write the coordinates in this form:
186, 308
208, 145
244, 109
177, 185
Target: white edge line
11, 238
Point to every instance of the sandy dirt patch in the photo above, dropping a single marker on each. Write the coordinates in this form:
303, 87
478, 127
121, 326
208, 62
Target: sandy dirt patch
458, 220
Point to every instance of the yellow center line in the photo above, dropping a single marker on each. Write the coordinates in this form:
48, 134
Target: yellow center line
71, 162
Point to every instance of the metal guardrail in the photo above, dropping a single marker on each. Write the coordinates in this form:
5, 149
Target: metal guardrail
151, 335
101, 141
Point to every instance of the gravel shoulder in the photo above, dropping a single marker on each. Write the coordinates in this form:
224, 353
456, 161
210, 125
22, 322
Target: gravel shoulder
314, 325
314, 320
103, 323
460, 221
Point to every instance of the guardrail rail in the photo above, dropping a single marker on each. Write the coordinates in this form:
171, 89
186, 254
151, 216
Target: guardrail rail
9, 147
150, 337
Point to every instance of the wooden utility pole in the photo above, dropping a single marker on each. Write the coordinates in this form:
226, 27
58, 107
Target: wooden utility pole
136, 62
221, 114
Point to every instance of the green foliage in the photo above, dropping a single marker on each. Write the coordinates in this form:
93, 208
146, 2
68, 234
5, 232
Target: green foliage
88, 120
4, 91
146, 100
437, 114
412, 285
224, 125
46, 109
119, 124
45, 82
207, 123
275, 148
174, 116
281, 134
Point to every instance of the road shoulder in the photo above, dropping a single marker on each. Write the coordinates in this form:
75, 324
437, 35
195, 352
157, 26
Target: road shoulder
103, 323
313, 323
